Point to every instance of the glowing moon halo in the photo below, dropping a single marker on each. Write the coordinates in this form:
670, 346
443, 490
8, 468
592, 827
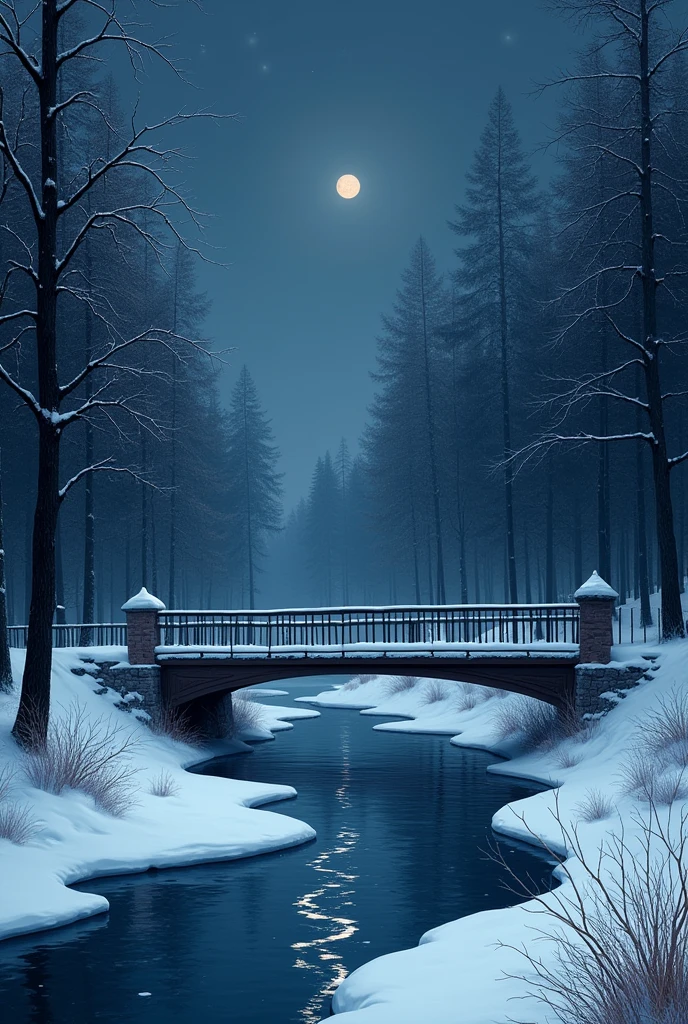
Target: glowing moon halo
348, 186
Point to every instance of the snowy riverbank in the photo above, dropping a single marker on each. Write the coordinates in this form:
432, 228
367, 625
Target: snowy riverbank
203, 819
458, 974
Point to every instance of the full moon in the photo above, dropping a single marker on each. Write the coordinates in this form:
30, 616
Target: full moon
348, 186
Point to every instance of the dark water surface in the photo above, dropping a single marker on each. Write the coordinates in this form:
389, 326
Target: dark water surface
401, 823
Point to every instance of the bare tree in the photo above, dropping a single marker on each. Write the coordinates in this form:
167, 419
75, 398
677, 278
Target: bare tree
5, 663
626, 266
32, 37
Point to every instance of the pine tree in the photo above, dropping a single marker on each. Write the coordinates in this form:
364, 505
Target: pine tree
322, 524
495, 221
401, 443
256, 489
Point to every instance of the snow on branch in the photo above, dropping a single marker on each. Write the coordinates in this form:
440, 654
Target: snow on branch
105, 466
165, 338
537, 450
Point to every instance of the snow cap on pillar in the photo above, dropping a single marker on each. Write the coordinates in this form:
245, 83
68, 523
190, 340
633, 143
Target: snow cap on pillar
595, 589
143, 602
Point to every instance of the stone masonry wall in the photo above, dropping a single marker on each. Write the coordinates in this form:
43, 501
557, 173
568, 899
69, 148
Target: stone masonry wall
615, 680
211, 716
128, 679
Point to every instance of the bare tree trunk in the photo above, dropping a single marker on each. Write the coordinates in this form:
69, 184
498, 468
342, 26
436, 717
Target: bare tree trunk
460, 514
173, 446
414, 544
641, 525
441, 588
526, 566
31, 724
60, 601
577, 544
506, 410
86, 638
672, 614
249, 519
5, 661
550, 568
144, 511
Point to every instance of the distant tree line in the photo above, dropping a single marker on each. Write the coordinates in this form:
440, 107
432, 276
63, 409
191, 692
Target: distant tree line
529, 420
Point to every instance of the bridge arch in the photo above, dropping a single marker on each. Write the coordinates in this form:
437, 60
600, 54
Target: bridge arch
551, 680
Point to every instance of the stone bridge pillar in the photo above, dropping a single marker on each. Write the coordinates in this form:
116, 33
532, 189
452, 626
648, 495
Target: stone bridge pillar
142, 627
141, 675
596, 599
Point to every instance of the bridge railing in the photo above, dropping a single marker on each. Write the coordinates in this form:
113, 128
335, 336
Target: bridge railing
88, 634
340, 627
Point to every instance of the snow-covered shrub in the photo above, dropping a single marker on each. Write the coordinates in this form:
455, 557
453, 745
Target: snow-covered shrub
664, 729
400, 684
538, 725
176, 724
164, 785
620, 933
246, 714
435, 691
88, 754
595, 806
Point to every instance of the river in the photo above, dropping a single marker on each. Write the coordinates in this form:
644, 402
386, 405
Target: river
403, 822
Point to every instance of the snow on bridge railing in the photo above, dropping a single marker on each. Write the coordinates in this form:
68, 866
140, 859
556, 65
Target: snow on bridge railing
393, 624
553, 623
88, 634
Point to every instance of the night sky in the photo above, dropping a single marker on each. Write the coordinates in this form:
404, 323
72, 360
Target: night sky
396, 93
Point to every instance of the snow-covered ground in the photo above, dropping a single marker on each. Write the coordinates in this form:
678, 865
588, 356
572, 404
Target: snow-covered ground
458, 974
205, 819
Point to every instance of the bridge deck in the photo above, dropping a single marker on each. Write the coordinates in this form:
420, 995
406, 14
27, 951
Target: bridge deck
439, 649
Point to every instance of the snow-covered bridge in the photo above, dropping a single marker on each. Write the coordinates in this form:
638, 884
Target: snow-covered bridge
195, 659
529, 649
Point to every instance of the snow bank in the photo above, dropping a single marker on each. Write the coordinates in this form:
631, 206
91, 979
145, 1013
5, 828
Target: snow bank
207, 819
457, 975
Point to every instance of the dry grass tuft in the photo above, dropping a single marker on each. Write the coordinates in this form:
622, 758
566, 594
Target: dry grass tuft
669, 788
539, 726
619, 931
638, 774
164, 785
435, 691
595, 806
665, 729
17, 823
400, 684
568, 758
87, 754
246, 714
466, 697
353, 684
7, 775
175, 724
